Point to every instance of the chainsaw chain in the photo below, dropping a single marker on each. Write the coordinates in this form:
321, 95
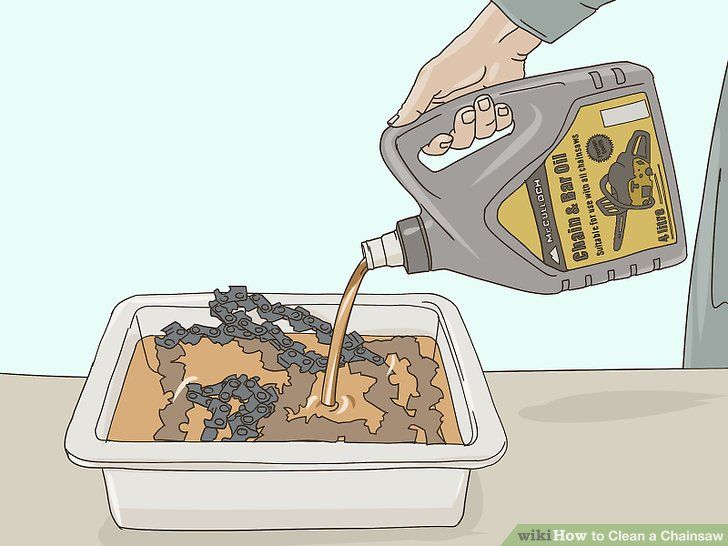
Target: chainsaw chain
232, 308
256, 403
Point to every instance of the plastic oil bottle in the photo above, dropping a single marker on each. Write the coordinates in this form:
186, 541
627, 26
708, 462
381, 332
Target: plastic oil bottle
580, 192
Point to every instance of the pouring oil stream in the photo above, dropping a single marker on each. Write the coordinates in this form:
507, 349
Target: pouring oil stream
328, 394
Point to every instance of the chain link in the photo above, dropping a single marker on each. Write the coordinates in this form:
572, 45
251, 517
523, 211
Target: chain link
256, 403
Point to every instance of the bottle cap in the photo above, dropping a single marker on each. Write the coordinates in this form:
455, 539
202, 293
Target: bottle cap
384, 250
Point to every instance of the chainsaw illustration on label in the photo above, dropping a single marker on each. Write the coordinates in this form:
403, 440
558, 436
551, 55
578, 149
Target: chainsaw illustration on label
628, 185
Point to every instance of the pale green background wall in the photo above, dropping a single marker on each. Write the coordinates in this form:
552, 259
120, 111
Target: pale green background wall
134, 135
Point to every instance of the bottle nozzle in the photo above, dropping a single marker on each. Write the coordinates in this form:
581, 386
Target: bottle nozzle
384, 250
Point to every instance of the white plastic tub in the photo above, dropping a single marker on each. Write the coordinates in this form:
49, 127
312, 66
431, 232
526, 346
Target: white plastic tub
287, 485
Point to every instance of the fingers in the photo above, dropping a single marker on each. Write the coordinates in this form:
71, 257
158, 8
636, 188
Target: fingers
463, 131
481, 120
491, 118
503, 117
418, 100
438, 145
484, 117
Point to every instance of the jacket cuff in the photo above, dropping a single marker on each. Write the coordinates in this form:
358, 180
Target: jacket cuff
548, 20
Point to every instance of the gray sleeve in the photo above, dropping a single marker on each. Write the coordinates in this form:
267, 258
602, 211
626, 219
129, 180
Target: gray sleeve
548, 19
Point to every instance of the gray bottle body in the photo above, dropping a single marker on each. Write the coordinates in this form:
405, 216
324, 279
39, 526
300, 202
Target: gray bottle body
458, 227
706, 335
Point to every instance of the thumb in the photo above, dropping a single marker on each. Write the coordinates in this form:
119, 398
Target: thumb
418, 100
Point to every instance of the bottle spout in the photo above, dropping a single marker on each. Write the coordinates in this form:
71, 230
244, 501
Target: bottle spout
405, 246
383, 251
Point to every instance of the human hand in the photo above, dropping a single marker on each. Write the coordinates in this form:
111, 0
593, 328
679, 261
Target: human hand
491, 50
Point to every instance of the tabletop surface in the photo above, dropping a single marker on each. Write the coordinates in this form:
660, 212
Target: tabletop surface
583, 447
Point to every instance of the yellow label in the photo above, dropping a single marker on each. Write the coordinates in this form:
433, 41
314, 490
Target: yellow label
601, 194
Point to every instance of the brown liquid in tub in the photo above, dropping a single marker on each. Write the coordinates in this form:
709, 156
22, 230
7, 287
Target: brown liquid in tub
406, 399
343, 313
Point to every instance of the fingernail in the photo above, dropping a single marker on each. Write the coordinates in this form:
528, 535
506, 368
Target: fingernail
468, 116
484, 104
502, 110
393, 119
445, 144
